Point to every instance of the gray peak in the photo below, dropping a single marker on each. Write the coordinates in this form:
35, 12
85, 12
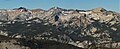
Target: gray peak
100, 9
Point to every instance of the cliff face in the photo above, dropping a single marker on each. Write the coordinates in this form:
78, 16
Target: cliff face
82, 28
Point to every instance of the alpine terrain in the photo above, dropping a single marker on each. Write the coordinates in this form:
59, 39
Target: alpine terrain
59, 28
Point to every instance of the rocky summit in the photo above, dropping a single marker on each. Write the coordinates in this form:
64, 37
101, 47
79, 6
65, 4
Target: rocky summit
59, 28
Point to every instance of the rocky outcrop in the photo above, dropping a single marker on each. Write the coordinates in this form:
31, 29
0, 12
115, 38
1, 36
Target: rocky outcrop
89, 28
98, 10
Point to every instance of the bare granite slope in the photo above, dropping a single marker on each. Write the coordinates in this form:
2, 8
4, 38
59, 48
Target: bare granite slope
82, 28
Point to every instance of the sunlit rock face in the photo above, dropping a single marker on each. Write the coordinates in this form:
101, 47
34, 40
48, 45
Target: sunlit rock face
82, 28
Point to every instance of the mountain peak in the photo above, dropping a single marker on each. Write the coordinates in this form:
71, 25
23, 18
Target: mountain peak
99, 9
21, 8
56, 8
76, 27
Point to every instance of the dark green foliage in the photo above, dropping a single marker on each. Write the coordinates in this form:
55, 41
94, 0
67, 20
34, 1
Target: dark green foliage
39, 44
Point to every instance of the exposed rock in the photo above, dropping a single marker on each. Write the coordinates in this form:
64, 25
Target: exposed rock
93, 28
99, 10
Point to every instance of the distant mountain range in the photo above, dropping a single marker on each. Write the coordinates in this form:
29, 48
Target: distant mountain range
95, 28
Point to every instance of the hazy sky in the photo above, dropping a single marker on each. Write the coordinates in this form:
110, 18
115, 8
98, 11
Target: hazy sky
113, 5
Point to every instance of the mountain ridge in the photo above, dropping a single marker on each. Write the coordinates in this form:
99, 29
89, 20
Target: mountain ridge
82, 28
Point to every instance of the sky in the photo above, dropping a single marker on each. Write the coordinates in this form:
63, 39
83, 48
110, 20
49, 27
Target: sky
113, 5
